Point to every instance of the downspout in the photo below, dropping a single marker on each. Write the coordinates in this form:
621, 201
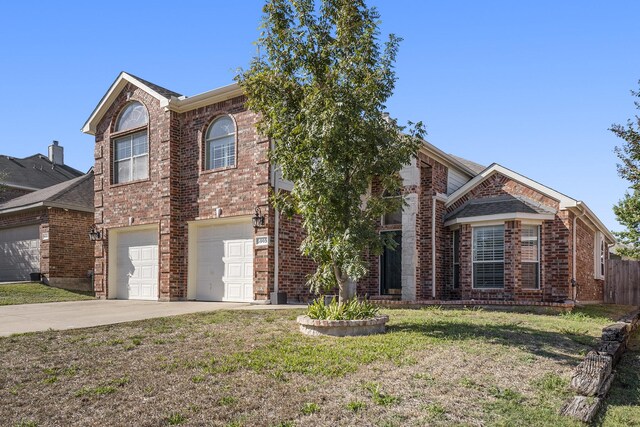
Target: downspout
276, 231
433, 247
443, 198
574, 268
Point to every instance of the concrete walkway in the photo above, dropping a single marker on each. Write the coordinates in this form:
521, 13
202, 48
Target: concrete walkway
82, 314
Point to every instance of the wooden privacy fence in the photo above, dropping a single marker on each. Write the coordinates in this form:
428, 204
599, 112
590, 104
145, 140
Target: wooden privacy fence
623, 282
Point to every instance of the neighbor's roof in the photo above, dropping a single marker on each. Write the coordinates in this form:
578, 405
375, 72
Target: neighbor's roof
75, 194
34, 172
499, 205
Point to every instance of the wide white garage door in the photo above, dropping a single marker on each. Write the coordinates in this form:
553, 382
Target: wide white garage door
19, 252
224, 270
137, 265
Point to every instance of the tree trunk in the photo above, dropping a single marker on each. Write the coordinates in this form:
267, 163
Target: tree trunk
346, 286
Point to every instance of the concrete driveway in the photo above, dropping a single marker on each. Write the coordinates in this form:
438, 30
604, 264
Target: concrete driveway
82, 314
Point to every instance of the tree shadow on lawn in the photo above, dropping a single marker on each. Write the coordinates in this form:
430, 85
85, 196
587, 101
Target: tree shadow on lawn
566, 348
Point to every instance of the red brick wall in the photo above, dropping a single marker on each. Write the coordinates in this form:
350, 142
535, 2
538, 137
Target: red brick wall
589, 289
8, 193
70, 250
294, 269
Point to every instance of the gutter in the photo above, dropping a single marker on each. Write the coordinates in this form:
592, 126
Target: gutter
441, 198
66, 206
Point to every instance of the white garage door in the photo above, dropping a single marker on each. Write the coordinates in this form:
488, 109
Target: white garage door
19, 252
224, 270
137, 265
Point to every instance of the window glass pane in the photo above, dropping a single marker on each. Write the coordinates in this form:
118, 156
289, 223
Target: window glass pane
221, 152
132, 116
394, 217
140, 168
529, 243
456, 246
530, 272
122, 148
221, 127
123, 171
488, 275
140, 144
488, 243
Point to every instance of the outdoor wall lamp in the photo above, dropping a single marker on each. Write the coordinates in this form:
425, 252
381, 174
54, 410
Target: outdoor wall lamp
258, 218
94, 234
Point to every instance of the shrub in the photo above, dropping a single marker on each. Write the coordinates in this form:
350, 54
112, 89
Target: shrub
351, 310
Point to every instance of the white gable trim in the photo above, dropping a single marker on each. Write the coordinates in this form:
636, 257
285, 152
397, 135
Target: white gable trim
182, 104
111, 95
565, 201
500, 218
440, 156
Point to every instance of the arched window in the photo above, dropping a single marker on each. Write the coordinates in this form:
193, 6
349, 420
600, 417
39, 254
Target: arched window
131, 151
132, 116
220, 144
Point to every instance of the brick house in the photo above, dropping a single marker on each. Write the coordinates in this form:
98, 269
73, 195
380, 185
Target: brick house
45, 231
178, 180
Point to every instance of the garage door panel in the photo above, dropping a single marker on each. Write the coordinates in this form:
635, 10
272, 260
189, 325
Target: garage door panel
137, 264
224, 270
19, 252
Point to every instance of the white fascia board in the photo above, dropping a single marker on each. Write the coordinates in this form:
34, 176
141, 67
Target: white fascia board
564, 200
106, 101
22, 208
596, 221
182, 104
442, 157
500, 218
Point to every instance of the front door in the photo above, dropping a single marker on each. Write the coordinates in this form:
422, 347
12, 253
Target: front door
391, 267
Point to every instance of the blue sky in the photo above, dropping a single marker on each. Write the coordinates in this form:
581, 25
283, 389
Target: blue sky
532, 85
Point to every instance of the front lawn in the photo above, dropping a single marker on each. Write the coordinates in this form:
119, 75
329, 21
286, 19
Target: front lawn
32, 293
253, 368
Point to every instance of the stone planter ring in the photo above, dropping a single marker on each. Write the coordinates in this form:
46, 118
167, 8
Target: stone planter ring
342, 328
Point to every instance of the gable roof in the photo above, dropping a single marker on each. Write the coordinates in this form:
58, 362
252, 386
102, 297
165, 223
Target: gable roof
169, 99
513, 207
34, 172
473, 166
565, 202
75, 194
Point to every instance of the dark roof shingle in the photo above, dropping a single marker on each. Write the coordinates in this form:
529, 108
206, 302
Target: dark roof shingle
35, 171
498, 205
75, 194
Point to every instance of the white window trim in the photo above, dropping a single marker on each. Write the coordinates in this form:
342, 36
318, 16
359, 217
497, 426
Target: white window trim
209, 141
539, 231
473, 238
599, 255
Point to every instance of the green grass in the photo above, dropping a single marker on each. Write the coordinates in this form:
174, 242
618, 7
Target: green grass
433, 367
34, 293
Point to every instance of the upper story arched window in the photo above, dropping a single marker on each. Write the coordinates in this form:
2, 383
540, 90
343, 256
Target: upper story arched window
131, 151
220, 144
132, 116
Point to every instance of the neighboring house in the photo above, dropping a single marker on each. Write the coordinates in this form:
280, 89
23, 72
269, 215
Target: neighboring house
22, 176
46, 231
178, 179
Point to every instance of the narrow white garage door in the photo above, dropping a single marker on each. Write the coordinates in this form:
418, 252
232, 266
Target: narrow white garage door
137, 265
19, 252
224, 269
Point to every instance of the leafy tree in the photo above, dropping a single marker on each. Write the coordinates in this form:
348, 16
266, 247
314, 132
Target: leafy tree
320, 84
628, 209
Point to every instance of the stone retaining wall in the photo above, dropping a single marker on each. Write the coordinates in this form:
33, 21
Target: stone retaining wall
592, 378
